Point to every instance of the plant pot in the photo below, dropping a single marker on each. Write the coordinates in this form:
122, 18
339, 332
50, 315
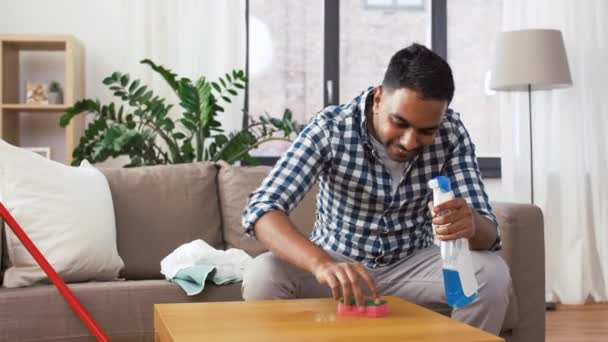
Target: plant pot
55, 98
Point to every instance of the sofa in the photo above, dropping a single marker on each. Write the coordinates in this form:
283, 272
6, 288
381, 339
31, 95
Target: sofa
161, 207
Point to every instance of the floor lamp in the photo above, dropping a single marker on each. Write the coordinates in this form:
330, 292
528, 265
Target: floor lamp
530, 60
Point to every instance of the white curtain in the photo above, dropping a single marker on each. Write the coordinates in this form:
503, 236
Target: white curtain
570, 148
192, 38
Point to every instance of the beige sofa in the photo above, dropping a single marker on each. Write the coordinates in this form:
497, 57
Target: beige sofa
159, 208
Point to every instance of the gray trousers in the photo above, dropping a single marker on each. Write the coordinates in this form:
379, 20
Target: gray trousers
417, 279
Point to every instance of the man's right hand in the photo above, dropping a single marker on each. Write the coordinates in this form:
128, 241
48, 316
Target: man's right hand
281, 236
346, 280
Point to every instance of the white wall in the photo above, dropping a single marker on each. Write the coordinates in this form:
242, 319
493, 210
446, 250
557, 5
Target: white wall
102, 28
98, 25
494, 188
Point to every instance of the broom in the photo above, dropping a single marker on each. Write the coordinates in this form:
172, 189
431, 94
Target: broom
85, 317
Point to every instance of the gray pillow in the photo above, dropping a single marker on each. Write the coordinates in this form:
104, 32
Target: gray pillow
235, 184
159, 208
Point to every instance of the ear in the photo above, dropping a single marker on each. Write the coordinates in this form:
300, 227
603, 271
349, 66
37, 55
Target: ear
377, 93
377, 98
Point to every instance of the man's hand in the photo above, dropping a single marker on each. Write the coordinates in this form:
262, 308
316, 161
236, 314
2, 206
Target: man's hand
454, 220
346, 279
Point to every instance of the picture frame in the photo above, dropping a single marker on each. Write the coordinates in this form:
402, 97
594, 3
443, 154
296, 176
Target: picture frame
36, 93
44, 151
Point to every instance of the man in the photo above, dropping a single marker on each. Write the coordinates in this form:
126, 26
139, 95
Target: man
372, 159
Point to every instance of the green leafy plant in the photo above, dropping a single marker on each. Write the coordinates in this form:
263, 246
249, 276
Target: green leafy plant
54, 87
142, 129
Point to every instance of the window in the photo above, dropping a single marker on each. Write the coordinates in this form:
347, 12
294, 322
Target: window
469, 52
369, 37
304, 55
394, 4
285, 61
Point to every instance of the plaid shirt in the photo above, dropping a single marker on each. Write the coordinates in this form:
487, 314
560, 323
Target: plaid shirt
357, 213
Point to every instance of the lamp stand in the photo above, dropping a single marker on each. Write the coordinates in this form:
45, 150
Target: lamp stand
549, 306
531, 146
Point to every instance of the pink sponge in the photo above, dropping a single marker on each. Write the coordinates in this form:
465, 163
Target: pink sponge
371, 309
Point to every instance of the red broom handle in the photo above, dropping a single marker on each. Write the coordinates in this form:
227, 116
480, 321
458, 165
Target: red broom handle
53, 276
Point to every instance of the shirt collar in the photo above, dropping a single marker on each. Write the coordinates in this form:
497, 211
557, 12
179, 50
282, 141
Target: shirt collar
362, 107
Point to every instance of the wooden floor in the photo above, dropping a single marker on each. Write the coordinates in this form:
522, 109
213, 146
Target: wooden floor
587, 323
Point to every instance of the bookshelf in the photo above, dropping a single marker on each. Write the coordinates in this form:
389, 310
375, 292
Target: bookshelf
11, 82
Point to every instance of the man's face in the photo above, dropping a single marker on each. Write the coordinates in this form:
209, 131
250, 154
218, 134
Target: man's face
404, 122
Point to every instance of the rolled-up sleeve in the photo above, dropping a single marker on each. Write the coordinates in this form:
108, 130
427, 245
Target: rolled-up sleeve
465, 177
292, 176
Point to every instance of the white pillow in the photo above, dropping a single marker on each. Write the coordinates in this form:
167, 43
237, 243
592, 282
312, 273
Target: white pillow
66, 211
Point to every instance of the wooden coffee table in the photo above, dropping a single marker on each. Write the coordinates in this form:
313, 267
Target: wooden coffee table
305, 320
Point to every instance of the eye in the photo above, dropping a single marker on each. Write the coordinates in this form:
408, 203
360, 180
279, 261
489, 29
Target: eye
400, 123
427, 131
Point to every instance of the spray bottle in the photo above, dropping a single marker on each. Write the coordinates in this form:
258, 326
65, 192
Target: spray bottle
458, 274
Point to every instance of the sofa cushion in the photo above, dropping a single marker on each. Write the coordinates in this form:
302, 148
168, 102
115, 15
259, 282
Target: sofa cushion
522, 235
158, 208
67, 212
3, 256
235, 184
5, 261
123, 309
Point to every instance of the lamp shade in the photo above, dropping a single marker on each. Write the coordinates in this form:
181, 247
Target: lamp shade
530, 57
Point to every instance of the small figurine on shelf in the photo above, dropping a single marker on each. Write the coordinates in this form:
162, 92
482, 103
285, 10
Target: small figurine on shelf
37, 93
55, 93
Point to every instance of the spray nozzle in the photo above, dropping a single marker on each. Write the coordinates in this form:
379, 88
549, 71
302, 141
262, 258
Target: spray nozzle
440, 182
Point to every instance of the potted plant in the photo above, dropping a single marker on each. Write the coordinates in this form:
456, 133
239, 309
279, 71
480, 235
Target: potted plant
55, 93
141, 128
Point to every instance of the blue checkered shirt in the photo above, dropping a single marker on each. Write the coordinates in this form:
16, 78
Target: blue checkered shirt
357, 213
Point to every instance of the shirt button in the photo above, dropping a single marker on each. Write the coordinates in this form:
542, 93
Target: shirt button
379, 261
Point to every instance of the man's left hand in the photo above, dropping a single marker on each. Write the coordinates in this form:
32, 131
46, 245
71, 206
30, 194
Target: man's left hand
454, 220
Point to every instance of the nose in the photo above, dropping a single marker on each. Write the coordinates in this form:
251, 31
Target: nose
409, 140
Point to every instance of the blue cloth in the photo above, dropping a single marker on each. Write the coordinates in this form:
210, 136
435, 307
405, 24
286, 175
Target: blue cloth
192, 279
357, 214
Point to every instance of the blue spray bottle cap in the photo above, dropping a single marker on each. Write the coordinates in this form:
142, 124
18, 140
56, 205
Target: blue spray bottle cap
444, 183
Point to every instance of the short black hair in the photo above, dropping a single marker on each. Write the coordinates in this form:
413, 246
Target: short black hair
420, 69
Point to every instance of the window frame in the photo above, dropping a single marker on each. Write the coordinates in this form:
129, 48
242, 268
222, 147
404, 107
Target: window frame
490, 167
